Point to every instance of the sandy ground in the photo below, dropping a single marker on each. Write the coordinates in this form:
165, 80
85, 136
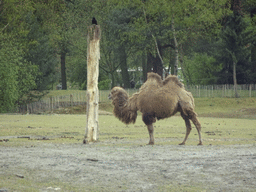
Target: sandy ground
118, 165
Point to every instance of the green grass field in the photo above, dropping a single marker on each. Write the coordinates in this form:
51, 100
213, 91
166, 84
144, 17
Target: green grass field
71, 129
205, 107
225, 121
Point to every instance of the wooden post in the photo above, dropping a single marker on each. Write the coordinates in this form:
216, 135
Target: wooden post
93, 57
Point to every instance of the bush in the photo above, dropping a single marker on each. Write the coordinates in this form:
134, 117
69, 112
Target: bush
104, 85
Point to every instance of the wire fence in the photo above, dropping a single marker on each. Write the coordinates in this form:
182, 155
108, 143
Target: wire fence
199, 91
228, 90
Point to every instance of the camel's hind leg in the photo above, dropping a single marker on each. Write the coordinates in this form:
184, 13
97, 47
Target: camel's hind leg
188, 127
196, 122
198, 127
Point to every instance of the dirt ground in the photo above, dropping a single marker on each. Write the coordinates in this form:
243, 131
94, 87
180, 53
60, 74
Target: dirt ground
125, 165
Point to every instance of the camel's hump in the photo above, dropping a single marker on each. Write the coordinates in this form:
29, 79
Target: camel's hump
154, 76
174, 79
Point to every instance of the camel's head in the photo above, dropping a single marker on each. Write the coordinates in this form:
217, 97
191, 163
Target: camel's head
124, 108
117, 92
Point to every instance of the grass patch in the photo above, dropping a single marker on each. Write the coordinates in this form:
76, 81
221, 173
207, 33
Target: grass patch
71, 129
226, 107
205, 107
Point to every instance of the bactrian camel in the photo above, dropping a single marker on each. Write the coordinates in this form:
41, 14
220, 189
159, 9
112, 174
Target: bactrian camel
156, 99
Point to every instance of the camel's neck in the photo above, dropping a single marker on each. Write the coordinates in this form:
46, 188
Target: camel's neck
125, 109
120, 102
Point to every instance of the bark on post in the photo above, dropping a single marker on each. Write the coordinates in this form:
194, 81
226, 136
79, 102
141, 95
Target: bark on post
93, 57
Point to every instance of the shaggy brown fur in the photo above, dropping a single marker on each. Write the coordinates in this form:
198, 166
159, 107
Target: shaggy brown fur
156, 99
125, 109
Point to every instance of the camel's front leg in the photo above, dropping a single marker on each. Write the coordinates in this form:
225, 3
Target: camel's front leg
151, 134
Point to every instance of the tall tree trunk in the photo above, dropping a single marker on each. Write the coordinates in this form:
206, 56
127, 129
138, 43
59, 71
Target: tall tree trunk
157, 67
93, 57
112, 80
253, 60
155, 63
234, 72
63, 69
124, 67
182, 65
175, 48
145, 69
234, 79
172, 62
253, 50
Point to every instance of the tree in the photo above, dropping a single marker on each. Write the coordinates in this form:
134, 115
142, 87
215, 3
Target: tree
109, 62
118, 25
17, 76
234, 42
155, 20
41, 52
200, 69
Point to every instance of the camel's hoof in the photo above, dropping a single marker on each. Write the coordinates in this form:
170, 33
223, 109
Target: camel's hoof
151, 143
200, 144
182, 144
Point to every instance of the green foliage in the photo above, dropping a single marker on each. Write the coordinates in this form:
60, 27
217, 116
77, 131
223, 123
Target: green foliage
41, 53
8, 75
104, 85
78, 71
233, 47
17, 76
39, 31
200, 69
